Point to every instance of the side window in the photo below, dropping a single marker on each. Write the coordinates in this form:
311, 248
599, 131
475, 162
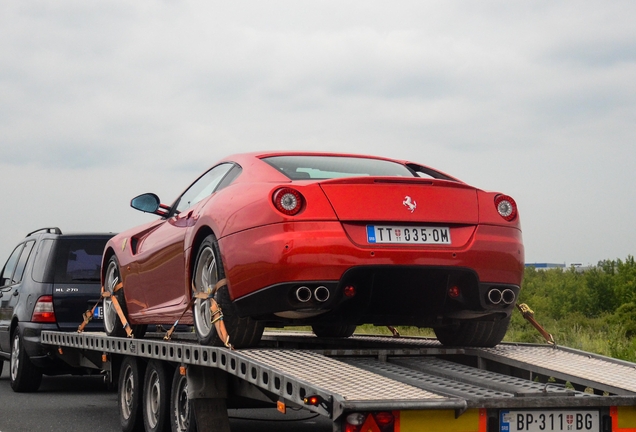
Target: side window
24, 258
230, 177
203, 187
9, 267
41, 271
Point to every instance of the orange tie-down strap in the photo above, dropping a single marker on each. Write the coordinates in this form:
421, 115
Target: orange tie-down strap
88, 315
215, 310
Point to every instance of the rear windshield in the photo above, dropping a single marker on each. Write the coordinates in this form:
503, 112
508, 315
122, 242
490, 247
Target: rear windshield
331, 167
75, 260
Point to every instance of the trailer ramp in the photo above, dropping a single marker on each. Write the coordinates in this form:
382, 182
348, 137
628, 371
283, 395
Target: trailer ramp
367, 373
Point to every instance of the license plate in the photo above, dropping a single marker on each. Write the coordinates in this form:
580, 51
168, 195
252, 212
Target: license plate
98, 313
408, 234
549, 421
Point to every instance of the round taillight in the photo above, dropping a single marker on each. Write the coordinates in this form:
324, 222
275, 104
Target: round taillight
506, 207
288, 201
384, 418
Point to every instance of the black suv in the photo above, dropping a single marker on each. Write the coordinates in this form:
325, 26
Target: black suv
47, 283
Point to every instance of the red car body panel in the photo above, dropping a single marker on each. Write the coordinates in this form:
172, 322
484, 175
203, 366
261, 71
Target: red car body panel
261, 247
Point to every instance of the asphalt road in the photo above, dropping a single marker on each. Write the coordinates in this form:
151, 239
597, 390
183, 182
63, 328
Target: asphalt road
80, 404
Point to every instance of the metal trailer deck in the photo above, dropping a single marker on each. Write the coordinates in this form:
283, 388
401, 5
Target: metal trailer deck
367, 373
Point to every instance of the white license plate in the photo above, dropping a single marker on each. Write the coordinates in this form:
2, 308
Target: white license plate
549, 421
408, 234
98, 313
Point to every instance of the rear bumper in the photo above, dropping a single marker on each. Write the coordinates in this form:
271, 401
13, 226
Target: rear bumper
40, 355
43, 356
282, 256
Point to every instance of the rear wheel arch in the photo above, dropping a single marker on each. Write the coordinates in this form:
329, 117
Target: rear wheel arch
108, 254
199, 237
14, 325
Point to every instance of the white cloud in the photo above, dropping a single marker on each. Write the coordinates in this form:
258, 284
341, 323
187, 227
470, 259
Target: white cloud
536, 99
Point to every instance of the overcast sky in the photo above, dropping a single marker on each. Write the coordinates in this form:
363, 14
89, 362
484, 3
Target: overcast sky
104, 100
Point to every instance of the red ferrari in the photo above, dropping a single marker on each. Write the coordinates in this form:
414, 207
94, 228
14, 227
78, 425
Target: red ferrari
331, 241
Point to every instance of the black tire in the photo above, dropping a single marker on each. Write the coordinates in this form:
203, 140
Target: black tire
156, 397
473, 333
129, 395
208, 270
333, 331
182, 418
112, 323
24, 376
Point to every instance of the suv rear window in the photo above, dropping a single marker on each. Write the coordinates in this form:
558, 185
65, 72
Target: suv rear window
76, 260
331, 167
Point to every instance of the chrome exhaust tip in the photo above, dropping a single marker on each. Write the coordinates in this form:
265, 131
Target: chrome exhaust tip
495, 296
321, 294
508, 296
303, 294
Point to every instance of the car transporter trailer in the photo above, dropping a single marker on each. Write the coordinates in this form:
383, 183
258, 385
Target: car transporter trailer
363, 383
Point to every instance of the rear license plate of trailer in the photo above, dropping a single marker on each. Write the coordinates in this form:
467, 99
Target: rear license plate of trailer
549, 421
408, 234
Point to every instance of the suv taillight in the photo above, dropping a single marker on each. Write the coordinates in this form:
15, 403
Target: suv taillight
43, 311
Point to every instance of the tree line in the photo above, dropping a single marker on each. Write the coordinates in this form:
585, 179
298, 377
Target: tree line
594, 309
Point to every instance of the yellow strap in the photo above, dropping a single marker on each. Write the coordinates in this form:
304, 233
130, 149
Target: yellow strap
528, 314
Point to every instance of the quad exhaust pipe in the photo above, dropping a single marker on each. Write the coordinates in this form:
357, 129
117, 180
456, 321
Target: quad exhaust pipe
496, 296
303, 294
320, 294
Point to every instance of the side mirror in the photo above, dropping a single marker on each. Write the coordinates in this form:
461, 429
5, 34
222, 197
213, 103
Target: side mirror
148, 203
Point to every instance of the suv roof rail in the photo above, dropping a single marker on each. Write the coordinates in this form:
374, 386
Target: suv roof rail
53, 230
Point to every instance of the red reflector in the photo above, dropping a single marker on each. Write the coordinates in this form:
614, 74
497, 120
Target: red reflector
454, 292
349, 291
43, 311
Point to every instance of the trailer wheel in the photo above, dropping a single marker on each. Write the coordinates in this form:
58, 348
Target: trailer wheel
473, 333
333, 331
182, 418
24, 376
130, 412
112, 323
208, 270
156, 397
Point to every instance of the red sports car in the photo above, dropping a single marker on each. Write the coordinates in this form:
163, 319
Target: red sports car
326, 240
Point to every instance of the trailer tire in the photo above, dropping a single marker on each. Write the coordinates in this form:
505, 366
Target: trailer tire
182, 418
112, 323
129, 395
473, 333
156, 397
333, 331
25, 376
208, 270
